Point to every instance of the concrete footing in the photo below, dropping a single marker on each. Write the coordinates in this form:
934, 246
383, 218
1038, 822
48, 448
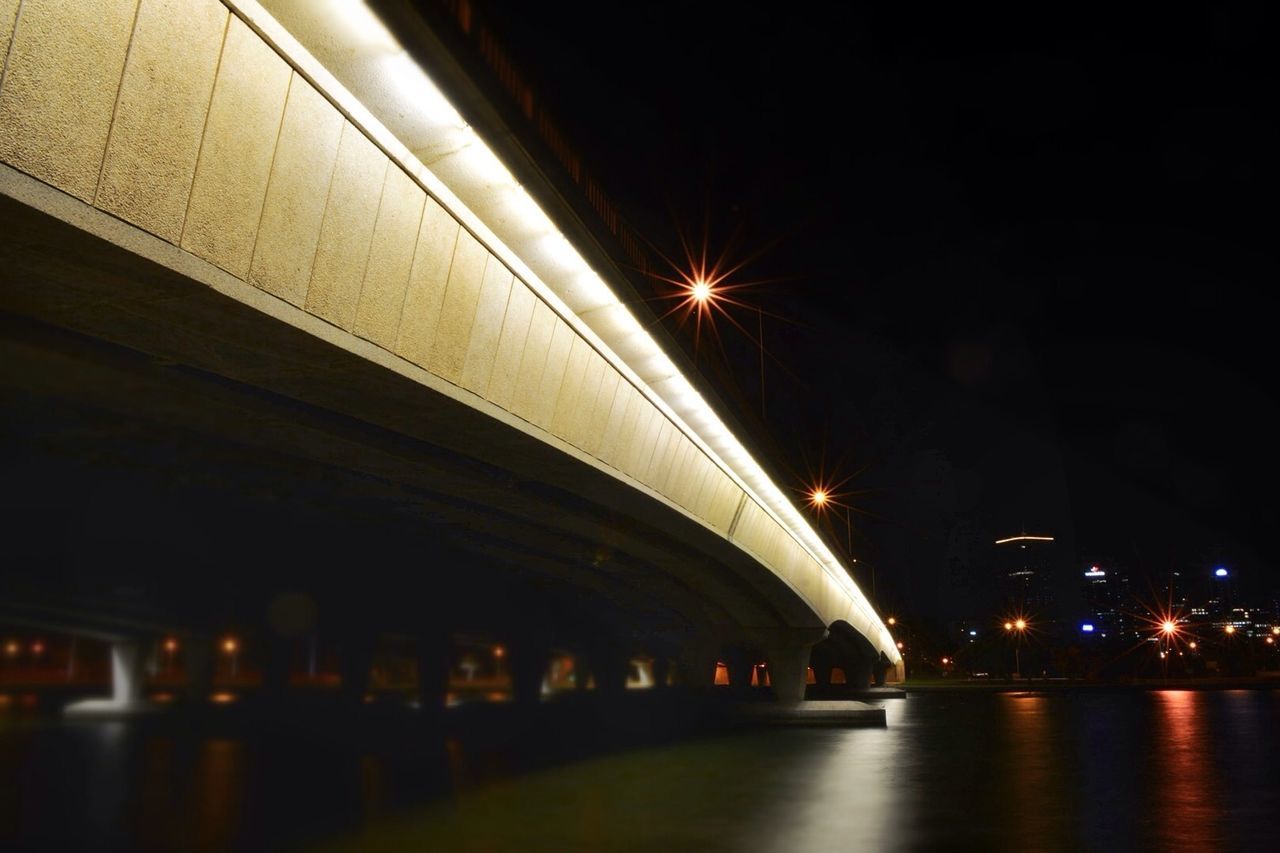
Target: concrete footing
813, 713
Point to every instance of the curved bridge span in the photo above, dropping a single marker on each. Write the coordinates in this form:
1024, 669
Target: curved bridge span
264, 223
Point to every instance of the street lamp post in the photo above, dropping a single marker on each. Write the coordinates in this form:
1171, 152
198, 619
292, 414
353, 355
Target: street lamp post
1167, 631
232, 648
1018, 625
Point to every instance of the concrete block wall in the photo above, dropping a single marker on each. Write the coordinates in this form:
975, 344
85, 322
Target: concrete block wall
176, 117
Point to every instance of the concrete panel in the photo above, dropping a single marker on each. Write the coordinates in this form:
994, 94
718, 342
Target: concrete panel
458, 311
160, 114
724, 503
386, 275
235, 154
567, 413
437, 239
581, 424
482, 349
693, 473
632, 440
511, 343
544, 407
650, 446
706, 492
750, 532
622, 413
8, 15
533, 360
676, 468
60, 85
610, 381
346, 233
296, 194
660, 463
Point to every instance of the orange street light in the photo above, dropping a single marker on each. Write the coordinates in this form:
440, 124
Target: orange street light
900, 646
892, 621
1168, 627
1191, 645
1230, 629
1020, 625
818, 497
231, 646
701, 291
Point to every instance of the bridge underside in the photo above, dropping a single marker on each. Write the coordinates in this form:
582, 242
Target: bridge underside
181, 457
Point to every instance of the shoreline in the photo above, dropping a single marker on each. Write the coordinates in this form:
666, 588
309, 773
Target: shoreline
1269, 682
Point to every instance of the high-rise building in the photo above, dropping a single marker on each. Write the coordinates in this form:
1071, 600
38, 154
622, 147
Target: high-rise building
1106, 596
1022, 568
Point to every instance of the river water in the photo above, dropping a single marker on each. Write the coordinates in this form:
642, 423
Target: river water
1084, 770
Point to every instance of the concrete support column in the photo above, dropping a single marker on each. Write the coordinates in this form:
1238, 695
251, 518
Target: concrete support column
740, 662
355, 664
661, 667
197, 664
127, 676
528, 657
279, 664
433, 670
786, 650
697, 664
610, 668
858, 672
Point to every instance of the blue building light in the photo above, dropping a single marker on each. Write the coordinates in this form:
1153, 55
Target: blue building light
1087, 627
1221, 572
973, 633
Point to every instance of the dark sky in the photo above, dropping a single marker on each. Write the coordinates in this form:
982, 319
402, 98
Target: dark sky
1017, 269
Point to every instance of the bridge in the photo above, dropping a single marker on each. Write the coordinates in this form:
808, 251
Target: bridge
286, 342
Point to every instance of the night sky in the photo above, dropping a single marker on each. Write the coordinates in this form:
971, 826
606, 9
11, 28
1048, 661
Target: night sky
1015, 272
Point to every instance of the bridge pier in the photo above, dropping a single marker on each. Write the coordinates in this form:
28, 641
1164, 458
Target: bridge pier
355, 665
787, 652
197, 664
128, 677
857, 672
433, 671
527, 658
696, 663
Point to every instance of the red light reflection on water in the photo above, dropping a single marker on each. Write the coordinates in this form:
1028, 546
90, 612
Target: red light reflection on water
1187, 811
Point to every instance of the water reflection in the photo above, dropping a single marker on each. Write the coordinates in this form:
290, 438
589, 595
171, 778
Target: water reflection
981, 771
1185, 802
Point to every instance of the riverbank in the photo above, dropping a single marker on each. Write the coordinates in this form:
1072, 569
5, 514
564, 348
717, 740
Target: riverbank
1267, 681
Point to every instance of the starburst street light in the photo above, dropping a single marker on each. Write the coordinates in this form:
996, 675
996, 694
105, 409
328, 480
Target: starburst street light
1018, 625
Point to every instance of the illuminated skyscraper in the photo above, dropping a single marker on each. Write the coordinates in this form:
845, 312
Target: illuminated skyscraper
1106, 597
1022, 566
